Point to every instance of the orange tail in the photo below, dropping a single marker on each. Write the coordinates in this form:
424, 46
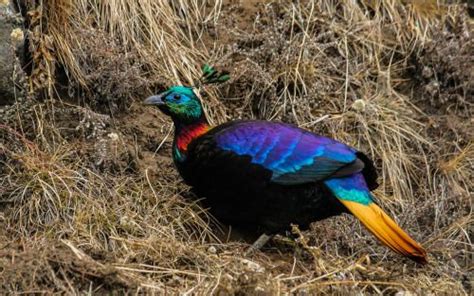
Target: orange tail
386, 230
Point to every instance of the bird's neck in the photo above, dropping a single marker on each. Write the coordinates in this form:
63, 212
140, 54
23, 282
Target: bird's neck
185, 134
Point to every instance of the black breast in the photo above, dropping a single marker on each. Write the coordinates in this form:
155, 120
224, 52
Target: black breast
240, 193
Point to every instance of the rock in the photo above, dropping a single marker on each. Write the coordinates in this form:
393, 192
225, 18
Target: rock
11, 44
359, 105
252, 266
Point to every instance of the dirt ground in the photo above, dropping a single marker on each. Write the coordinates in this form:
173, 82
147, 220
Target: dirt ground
90, 201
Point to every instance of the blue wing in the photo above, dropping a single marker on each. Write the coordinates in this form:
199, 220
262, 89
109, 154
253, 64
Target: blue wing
293, 155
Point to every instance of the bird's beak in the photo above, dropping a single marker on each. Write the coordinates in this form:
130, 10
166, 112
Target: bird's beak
155, 100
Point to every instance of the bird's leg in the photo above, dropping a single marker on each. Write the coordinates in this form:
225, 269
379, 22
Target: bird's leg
259, 243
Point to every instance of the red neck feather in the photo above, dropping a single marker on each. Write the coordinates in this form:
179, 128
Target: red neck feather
186, 134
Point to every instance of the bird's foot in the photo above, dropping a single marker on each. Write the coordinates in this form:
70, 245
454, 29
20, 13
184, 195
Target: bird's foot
258, 244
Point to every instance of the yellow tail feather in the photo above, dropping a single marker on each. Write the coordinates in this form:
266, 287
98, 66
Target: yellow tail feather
386, 230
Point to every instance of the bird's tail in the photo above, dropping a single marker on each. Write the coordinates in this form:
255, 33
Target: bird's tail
353, 194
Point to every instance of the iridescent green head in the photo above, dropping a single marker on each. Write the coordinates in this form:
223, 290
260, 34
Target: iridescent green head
179, 102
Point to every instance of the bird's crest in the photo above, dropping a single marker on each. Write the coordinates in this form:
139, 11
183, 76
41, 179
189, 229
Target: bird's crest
210, 75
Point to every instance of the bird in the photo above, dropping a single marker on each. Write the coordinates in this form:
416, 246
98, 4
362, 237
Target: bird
264, 176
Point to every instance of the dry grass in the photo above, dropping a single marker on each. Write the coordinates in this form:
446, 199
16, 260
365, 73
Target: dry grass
90, 201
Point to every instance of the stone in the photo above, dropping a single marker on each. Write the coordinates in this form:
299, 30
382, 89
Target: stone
11, 43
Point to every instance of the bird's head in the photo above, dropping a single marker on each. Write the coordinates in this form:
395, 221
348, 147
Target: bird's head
179, 102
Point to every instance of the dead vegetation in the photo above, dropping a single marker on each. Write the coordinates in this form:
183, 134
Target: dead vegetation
90, 201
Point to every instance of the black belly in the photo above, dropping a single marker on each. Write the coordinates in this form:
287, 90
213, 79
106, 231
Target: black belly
240, 193
261, 206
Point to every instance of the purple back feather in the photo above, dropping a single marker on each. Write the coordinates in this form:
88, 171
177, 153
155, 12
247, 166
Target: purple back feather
292, 154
